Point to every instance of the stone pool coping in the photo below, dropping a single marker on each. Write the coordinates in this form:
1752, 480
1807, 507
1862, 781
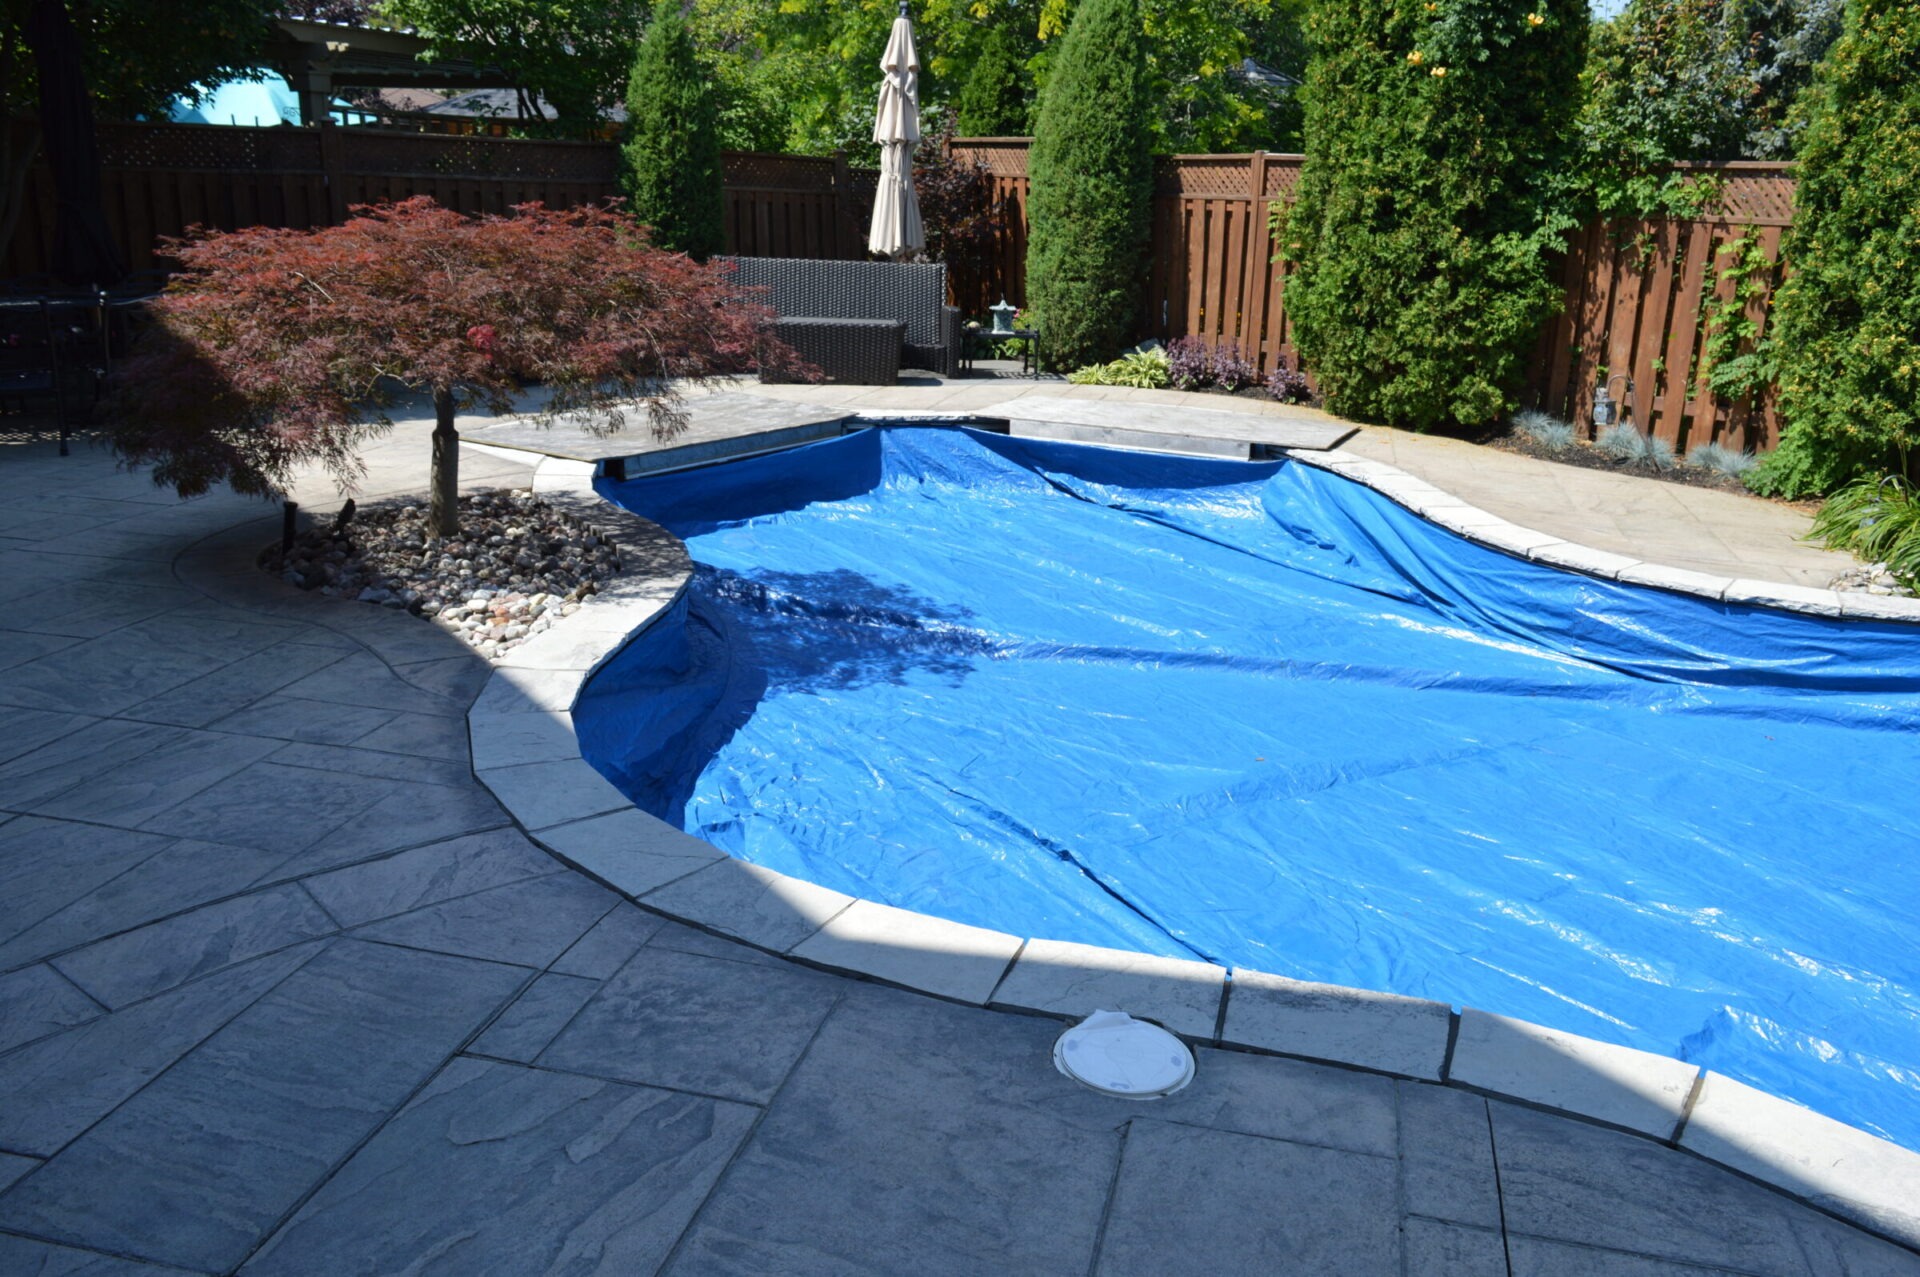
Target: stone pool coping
526, 752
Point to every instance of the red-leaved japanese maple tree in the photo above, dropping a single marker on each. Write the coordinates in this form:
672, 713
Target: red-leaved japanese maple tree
275, 348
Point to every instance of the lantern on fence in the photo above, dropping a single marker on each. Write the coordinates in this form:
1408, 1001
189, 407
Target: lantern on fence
1003, 318
1606, 409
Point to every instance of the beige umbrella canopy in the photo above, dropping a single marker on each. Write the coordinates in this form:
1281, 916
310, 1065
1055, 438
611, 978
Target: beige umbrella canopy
896, 229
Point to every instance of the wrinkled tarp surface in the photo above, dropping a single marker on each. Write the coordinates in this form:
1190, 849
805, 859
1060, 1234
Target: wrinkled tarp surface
1260, 715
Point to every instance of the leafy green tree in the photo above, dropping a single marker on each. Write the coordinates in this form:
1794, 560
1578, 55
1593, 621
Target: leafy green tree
994, 102
1847, 320
670, 160
572, 54
1092, 187
1437, 135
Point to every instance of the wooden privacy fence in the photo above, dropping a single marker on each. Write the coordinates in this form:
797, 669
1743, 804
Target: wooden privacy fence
1641, 298
160, 179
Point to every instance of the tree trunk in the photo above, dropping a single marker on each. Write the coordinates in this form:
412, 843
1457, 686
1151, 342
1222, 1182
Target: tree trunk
83, 247
443, 510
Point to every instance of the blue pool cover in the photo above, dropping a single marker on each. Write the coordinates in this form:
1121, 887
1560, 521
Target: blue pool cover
1257, 714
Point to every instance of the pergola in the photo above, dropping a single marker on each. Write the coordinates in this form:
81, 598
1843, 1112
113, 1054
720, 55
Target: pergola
320, 58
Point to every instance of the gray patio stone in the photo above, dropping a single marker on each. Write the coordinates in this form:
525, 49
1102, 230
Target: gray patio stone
524, 738
1847, 1171
1446, 1155
155, 782
1680, 580
523, 691
46, 865
1795, 598
351, 760
420, 736
1537, 1257
455, 670
139, 964
78, 757
1435, 1249
1201, 1201
12, 1167
274, 808
1381, 1031
1634, 1089
1512, 538
502, 1170
300, 718
380, 888
749, 903
1834, 1249
230, 689
56, 1088
181, 876
530, 1024
408, 816
18, 646
1284, 1100
543, 794
1878, 607
1578, 1183
364, 679
109, 674
24, 730
1580, 558
36, 1001
1079, 979
563, 648
913, 949
43, 1259
696, 1024
684, 939
527, 923
196, 1167
972, 1157
89, 609
631, 850
613, 940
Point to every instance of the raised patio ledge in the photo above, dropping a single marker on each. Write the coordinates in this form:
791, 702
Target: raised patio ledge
525, 752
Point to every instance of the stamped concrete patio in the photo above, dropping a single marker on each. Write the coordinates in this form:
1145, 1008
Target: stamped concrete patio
283, 990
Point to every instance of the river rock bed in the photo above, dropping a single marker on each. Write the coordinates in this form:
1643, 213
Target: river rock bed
1870, 578
517, 565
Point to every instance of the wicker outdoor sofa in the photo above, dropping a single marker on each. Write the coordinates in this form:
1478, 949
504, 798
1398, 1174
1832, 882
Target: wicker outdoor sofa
859, 322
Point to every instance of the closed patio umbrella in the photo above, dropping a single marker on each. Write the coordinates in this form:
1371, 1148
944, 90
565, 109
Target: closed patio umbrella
896, 229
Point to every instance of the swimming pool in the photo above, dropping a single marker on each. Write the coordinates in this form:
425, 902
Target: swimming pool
1260, 715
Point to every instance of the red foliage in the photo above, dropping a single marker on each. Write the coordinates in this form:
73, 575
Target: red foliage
279, 347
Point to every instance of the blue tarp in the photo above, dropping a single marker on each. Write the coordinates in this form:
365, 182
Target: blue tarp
1260, 715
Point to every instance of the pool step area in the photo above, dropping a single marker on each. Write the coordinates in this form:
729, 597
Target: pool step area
1172, 428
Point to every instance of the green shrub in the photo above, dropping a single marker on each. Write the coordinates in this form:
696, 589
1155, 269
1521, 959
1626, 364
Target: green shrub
1092, 186
670, 162
1140, 369
993, 101
1877, 520
1438, 137
1847, 320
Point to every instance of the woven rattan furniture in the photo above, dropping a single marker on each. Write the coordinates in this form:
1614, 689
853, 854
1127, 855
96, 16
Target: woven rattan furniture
863, 351
852, 294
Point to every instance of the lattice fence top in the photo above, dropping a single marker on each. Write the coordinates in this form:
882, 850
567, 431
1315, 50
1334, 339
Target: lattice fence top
783, 172
209, 147
456, 155
1001, 156
1283, 176
1750, 192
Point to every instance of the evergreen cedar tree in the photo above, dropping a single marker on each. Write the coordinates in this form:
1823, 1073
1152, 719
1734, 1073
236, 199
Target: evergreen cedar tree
277, 348
671, 156
993, 101
1438, 139
1092, 186
1847, 320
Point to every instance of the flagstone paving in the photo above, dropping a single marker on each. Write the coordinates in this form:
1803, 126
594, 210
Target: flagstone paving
283, 990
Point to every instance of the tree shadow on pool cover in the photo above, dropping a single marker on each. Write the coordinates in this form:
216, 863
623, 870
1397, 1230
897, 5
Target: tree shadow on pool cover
792, 633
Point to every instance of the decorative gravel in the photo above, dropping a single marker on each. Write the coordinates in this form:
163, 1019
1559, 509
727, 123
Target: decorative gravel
517, 564
1870, 578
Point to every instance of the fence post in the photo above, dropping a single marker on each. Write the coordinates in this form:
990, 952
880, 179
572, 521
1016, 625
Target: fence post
843, 207
333, 171
1259, 294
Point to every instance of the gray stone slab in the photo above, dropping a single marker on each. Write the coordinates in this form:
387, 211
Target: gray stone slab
613, 940
1273, 430
1078, 979
12, 1167
504, 741
364, 679
375, 889
214, 696
1847, 1171
1859, 605
78, 757
965, 1153
1538, 1257
527, 923
420, 736
459, 678
696, 1024
1775, 594
24, 730
131, 795
1617, 1084
17, 646
274, 808
1107, 436
1580, 558
44, 1259
630, 850
36, 1001
374, 764
409, 816
553, 793
1194, 1200
515, 691
684, 939
1446, 1155
1283, 1099
1571, 1181
46, 865
1834, 1249
913, 949
181, 876
1381, 1031
198, 1166
1679, 580
56, 1088
502, 1170
112, 673
717, 425
302, 718
1435, 1249
749, 903
535, 1018
141, 963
